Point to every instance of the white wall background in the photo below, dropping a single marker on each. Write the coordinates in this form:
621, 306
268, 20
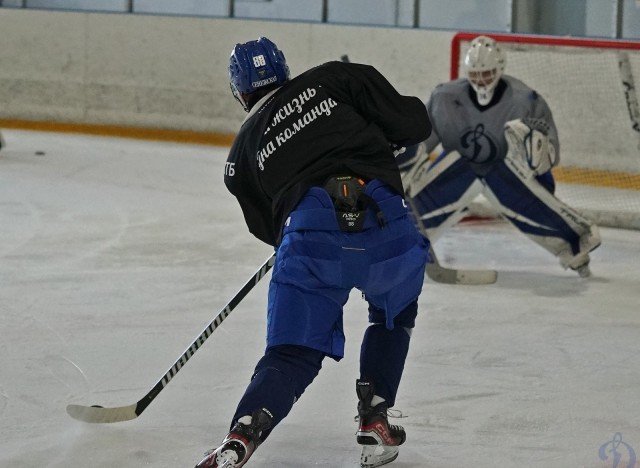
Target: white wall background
171, 72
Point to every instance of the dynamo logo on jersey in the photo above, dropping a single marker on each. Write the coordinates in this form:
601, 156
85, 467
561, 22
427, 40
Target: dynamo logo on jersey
477, 145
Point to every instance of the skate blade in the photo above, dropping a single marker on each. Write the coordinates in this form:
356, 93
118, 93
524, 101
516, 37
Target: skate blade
377, 455
225, 459
227, 464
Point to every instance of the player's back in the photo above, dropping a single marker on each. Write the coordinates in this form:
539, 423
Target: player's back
318, 125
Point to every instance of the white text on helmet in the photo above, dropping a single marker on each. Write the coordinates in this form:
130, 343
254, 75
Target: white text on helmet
261, 83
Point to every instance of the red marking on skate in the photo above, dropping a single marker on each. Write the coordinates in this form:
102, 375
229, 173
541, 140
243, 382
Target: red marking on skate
234, 436
380, 429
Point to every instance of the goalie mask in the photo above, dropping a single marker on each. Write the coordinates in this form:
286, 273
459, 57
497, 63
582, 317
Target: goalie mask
484, 64
256, 65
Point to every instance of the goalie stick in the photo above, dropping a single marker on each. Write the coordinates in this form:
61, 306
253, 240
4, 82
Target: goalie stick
441, 274
98, 414
437, 272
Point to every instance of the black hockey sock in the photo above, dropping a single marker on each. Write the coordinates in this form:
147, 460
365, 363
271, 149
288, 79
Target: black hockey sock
280, 378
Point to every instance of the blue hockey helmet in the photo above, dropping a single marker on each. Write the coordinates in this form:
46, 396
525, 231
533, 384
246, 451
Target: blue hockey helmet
255, 65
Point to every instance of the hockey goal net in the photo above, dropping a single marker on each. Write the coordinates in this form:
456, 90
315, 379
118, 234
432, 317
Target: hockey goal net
589, 85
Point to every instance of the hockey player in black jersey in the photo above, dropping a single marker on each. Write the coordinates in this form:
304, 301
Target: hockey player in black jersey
313, 170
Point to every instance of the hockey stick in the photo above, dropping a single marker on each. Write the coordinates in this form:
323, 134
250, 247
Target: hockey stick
440, 274
98, 414
629, 88
437, 272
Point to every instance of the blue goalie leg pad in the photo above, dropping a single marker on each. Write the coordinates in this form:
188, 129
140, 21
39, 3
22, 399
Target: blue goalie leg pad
444, 193
529, 212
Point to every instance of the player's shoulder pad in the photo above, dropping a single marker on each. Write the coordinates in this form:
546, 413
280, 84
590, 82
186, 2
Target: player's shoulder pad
520, 88
450, 87
453, 84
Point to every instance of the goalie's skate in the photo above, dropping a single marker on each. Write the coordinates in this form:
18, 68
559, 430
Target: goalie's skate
238, 446
379, 439
580, 262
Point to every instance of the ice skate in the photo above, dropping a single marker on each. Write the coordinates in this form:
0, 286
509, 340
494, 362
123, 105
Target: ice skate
238, 446
580, 262
379, 439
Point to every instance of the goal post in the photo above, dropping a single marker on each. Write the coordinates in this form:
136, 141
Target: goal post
590, 88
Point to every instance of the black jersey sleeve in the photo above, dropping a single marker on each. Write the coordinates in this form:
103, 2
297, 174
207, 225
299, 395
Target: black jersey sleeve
241, 181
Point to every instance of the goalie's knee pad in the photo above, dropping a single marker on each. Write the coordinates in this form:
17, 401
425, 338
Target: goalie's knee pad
410, 156
424, 172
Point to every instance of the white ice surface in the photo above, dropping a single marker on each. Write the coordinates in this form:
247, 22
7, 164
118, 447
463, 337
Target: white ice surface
115, 254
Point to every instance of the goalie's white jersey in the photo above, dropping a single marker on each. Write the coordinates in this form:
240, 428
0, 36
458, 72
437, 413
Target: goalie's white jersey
477, 132
477, 159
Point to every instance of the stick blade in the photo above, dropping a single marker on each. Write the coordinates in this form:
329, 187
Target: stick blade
443, 275
100, 415
477, 276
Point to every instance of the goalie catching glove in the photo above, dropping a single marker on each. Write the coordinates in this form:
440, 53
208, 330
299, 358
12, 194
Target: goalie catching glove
529, 143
